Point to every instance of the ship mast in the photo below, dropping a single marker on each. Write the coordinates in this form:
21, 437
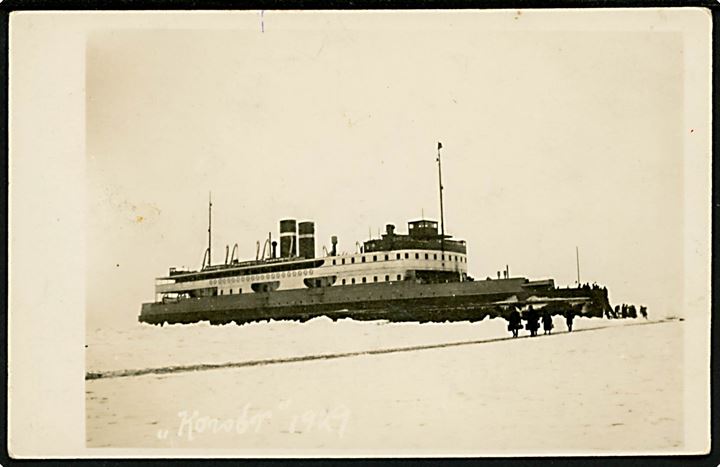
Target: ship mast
209, 229
442, 217
577, 261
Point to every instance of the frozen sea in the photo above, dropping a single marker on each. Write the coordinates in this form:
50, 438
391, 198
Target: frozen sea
325, 388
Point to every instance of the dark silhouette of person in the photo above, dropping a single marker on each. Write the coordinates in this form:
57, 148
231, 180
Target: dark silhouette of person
532, 321
514, 322
632, 311
623, 311
569, 317
643, 311
616, 314
547, 322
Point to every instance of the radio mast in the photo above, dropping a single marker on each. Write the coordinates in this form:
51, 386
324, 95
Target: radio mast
210, 229
442, 215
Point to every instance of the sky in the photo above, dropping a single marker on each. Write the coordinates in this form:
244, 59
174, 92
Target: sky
552, 139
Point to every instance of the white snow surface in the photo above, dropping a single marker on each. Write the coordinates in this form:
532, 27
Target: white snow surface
616, 389
153, 346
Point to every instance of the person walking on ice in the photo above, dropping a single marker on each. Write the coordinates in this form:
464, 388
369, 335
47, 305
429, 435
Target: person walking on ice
569, 317
532, 318
514, 322
547, 322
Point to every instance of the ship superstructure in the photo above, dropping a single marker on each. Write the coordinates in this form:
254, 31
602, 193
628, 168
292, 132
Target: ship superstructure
420, 256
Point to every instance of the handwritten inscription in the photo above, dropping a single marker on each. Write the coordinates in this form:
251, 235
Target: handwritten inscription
192, 424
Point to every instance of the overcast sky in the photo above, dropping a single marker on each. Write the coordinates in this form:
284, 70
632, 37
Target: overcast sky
552, 140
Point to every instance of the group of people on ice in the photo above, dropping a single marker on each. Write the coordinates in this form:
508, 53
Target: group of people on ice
532, 321
625, 311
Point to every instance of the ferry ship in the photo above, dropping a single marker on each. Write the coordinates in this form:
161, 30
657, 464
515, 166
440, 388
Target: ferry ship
420, 275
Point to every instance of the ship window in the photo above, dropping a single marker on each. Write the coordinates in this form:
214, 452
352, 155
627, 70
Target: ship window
435, 256
374, 257
363, 259
397, 256
407, 255
399, 277
230, 291
343, 261
417, 255
387, 257
343, 282
364, 279
333, 262
352, 260
221, 292
374, 278
352, 281
387, 278
427, 256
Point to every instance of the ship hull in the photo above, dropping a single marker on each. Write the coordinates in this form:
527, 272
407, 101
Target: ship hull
393, 301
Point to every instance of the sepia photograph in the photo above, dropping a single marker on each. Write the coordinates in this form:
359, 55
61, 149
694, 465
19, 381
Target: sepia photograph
374, 233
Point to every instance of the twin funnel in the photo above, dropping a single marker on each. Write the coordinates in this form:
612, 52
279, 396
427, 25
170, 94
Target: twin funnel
297, 239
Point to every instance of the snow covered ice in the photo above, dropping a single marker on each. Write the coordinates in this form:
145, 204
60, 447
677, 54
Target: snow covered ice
616, 388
